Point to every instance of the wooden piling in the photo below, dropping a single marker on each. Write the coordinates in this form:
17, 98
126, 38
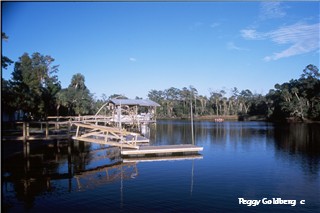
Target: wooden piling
47, 130
24, 129
28, 129
69, 128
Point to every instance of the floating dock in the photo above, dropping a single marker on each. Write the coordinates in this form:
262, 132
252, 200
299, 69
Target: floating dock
161, 158
161, 150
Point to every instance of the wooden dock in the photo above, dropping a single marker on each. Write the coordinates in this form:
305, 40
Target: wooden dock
41, 130
162, 150
161, 158
36, 137
131, 143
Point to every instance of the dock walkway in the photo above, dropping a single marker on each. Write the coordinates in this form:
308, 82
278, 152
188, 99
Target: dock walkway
158, 150
131, 143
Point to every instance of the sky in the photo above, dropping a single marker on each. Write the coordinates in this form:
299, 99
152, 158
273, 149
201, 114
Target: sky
131, 48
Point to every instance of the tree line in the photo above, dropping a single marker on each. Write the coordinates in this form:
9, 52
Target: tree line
298, 99
34, 88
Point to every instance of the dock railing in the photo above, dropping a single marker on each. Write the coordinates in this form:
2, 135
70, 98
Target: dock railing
36, 130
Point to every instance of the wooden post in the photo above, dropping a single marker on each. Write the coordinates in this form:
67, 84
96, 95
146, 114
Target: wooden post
121, 140
28, 129
69, 129
47, 129
24, 129
27, 149
77, 133
106, 136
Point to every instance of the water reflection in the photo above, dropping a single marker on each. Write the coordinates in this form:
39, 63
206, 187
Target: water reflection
175, 132
298, 138
106, 174
67, 167
300, 142
30, 175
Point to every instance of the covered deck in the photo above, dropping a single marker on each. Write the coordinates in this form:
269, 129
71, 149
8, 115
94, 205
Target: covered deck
132, 111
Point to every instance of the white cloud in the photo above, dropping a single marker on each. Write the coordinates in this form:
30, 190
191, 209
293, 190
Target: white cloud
271, 10
302, 38
132, 59
232, 46
251, 34
295, 33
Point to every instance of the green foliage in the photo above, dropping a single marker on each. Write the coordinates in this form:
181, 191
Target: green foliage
5, 61
34, 85
7, 97
117, 96
177, 102
297, 99
76, 98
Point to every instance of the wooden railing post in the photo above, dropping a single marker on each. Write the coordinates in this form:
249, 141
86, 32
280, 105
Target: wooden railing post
77, 132
69, 128
24, 129
47, 129
28, 129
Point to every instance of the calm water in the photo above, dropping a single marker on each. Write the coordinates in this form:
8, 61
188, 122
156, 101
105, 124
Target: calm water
250, 160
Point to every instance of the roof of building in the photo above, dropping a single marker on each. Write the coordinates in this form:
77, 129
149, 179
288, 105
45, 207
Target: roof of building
134, 102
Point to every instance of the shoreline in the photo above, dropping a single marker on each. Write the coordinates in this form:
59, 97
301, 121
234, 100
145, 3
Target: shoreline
214, 118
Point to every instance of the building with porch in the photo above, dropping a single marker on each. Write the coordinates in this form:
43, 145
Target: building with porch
132, 111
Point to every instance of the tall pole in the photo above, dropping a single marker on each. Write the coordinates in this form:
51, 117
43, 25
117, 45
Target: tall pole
120, 124
191, 114
120, 127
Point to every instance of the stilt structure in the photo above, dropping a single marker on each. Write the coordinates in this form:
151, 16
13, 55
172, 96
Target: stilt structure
131, 142
108, 135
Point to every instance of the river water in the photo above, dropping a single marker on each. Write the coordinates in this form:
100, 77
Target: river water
242, 164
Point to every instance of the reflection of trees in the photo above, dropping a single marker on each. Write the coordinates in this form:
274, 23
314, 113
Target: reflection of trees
172, 133
301, 141
298, 138
34, 174
53, 170
28, 176
177, 132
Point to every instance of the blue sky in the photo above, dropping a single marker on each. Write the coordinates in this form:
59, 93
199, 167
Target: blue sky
131, 48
